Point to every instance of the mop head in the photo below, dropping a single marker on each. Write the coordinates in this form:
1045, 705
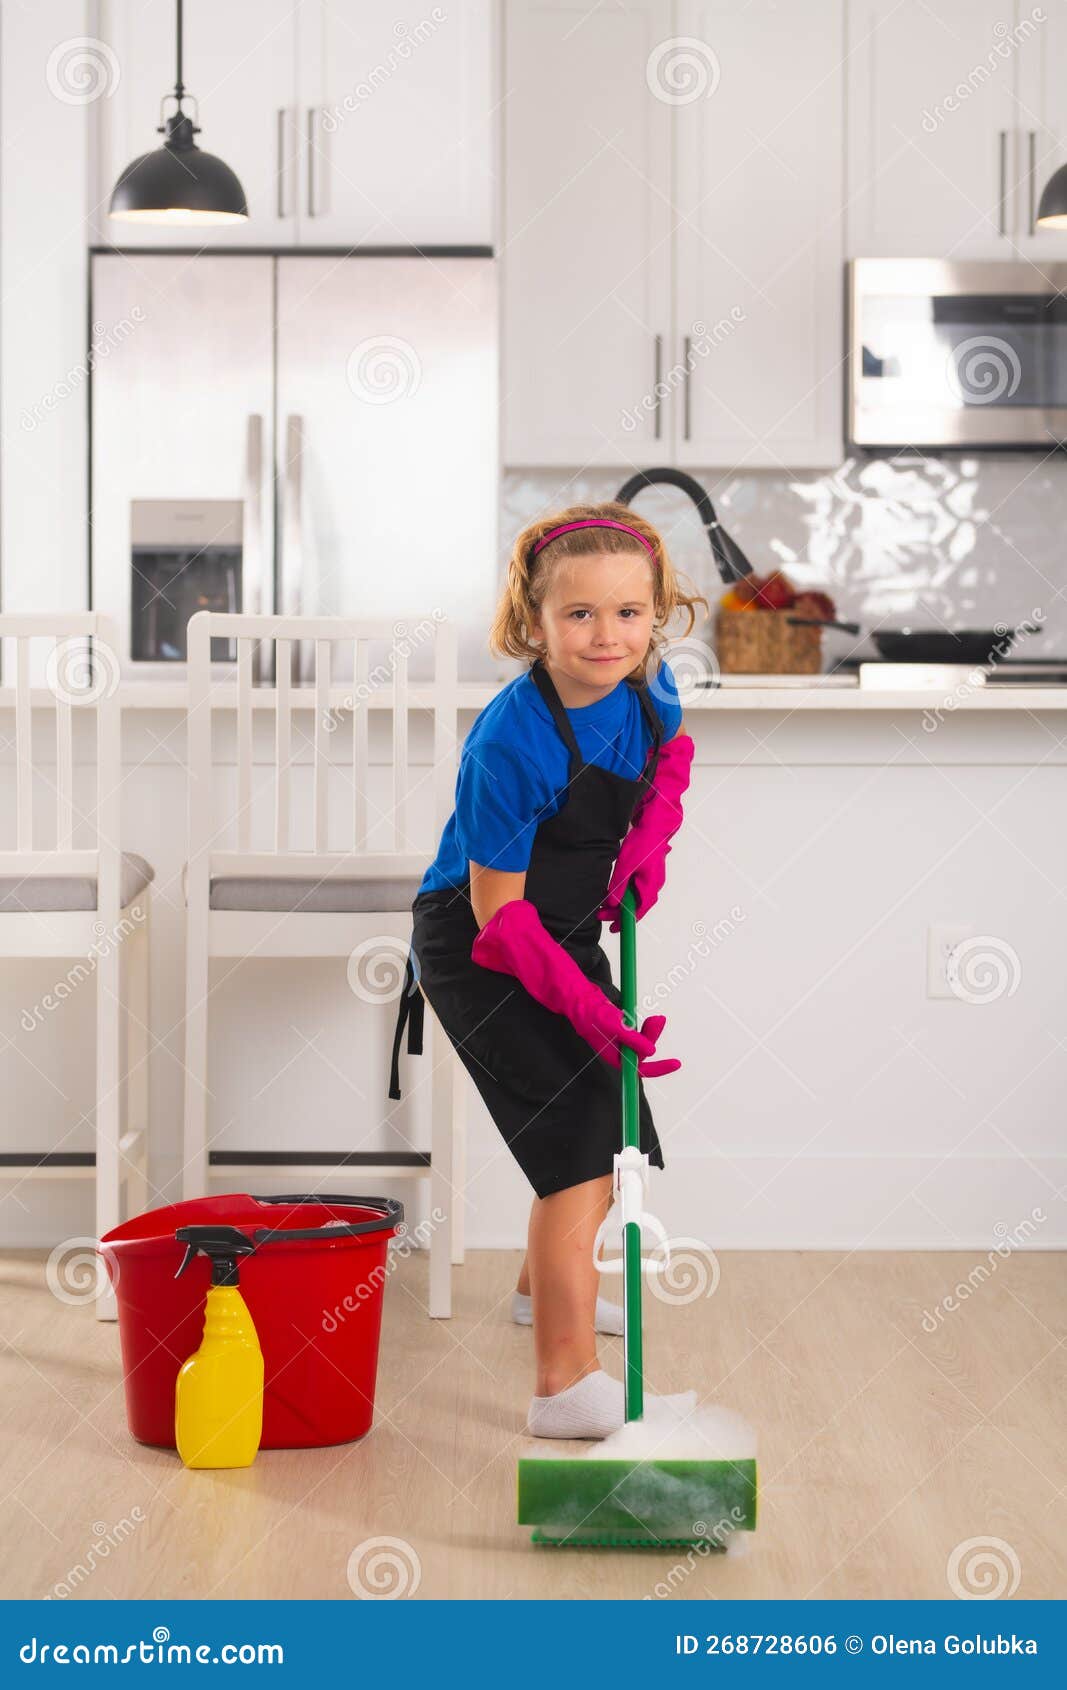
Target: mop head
677, 1478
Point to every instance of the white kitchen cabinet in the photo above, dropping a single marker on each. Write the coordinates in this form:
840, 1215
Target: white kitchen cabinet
1041, 116
932, 140
759, 242
672, 236
586, 234
397, 123
345, 124
238, 62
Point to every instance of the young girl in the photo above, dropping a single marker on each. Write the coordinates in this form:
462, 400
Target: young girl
569, 787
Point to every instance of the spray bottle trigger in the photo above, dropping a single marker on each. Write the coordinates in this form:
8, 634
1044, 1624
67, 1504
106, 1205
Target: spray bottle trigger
221, 1244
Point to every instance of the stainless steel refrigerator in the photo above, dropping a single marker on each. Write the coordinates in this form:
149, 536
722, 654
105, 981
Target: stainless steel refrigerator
303, 432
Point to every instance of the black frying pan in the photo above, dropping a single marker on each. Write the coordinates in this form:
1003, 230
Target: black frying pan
926, 645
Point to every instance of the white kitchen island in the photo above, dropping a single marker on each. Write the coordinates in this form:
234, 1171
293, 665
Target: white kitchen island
825, 1100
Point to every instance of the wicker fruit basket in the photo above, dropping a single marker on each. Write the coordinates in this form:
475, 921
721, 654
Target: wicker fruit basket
762, 642
753, 633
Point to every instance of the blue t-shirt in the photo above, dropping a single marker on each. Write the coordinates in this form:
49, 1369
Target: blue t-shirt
514, 769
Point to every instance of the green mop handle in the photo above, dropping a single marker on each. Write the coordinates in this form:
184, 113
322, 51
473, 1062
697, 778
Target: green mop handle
632, 1345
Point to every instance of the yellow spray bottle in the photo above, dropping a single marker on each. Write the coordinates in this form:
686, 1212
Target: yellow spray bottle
218, 1399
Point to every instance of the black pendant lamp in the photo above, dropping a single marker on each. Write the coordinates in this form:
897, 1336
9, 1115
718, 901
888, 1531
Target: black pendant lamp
1052, 210
177, 183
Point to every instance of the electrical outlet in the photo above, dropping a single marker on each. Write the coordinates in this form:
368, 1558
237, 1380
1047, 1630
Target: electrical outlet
941, 940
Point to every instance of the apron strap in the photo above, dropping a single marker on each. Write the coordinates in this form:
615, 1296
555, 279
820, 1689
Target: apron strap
411, 1015
546, 687
652, 717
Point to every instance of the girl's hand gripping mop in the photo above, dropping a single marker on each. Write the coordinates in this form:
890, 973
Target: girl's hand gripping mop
633, 1497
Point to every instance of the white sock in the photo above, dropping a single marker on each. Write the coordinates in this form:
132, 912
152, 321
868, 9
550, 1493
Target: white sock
608, 1317
593, 1407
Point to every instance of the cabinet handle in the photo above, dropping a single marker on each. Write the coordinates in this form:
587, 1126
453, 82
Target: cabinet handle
659, 373
1001, 228
312, 112
685, 394
280, 151
1033, 173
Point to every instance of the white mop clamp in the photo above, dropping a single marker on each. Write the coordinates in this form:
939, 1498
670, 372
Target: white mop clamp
631, 1183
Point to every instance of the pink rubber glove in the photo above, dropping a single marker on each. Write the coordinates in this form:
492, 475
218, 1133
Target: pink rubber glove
515, 941
657, 817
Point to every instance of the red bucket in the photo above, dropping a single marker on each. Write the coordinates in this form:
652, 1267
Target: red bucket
313, 1288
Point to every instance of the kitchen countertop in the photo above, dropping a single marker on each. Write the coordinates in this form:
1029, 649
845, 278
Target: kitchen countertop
829, 695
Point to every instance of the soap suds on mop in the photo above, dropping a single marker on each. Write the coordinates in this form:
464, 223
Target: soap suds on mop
682, 1433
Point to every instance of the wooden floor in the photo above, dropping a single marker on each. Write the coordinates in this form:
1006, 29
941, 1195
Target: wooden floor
885, 1449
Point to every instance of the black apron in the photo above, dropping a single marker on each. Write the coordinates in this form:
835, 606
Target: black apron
556, 1102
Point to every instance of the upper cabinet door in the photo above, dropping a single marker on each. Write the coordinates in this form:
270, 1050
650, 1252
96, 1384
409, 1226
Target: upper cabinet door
238, 62
756, 358
1042, 120
931, 130
586, 234
397, 124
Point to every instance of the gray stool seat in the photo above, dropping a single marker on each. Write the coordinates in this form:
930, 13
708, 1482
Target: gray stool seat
282, 894
52, 893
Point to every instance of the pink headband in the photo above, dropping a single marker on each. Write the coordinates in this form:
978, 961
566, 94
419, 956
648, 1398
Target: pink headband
594, 522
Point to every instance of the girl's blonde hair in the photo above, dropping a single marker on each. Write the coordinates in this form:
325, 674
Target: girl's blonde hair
529, 577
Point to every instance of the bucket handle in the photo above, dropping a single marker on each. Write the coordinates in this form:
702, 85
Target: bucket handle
390, 1214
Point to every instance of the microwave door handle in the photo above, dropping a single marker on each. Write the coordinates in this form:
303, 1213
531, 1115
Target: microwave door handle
1002, 184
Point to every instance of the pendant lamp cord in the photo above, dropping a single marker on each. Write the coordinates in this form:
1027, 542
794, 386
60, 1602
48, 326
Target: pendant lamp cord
179, 86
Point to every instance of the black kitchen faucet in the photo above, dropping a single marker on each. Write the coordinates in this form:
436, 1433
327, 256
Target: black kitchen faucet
730, 560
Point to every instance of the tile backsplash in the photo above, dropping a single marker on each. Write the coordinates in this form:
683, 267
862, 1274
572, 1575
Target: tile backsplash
955, 541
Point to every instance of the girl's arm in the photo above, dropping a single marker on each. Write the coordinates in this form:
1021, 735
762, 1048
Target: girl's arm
491, 888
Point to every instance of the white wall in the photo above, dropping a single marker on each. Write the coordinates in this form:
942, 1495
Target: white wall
45, 173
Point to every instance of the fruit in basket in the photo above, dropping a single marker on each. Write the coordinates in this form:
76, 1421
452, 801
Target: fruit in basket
733, 601
819, 605
775, 592
759, 592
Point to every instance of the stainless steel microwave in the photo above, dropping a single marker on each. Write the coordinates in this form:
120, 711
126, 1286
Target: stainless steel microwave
956, 355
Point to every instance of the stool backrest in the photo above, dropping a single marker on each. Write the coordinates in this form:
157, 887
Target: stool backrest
81, 678
336, 645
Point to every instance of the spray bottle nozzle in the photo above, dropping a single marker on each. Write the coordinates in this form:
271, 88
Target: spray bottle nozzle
221, 1244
